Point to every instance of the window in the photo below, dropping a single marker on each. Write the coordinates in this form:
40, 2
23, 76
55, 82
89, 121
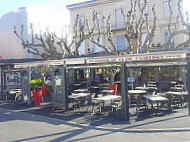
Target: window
81, 21
119, 19
166, 9
143, 38
82, 49
166, 38
120, 42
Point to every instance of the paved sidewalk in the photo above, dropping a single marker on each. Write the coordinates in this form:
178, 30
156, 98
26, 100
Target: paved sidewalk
178, 120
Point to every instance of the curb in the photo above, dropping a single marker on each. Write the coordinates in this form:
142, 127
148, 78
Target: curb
76, 124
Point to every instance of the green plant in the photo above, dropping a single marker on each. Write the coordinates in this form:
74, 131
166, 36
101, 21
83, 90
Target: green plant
44, 70
49, 86
36, 83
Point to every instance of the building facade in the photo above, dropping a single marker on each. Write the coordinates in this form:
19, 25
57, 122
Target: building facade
10, 45
39, 17
113, 7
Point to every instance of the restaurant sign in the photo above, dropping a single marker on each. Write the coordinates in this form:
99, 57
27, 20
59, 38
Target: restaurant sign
136, 57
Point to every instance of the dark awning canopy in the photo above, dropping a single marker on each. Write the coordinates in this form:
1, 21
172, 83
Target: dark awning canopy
170, 58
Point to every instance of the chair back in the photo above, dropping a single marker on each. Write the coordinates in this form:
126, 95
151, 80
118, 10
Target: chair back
113, 87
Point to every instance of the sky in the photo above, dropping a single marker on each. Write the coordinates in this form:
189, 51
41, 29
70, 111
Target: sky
42, 10
10, 5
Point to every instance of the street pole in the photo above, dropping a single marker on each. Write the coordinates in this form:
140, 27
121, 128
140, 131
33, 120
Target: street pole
124, 92
65, 91
188, 84
2, 84
28, 72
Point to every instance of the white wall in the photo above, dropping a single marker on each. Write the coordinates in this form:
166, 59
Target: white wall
10, 45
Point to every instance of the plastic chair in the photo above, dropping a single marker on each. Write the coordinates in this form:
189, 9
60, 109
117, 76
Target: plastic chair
114, 87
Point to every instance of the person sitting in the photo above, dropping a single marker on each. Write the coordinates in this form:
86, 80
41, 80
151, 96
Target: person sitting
179, 82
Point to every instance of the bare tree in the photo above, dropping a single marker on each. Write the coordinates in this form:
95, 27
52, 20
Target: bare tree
42, 44
97, 31
134, 25
174, 31
48, 45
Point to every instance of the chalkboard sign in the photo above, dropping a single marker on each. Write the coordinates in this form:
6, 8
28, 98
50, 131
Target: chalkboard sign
26, 93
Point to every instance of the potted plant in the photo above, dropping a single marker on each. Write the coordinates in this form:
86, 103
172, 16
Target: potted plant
44, 71
35, 85
49, 88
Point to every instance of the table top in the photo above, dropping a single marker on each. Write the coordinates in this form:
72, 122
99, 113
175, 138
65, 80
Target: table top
155, 98
104, 84
117, 82
108, 97
145, 88
94, 87
136, 91
176, 93
73, 96
179, 85
161, 94
173, 82
151, 82
83, 94
151, 85
107, 91
13, 91
78, 95
176, 88
77, 84
81, 90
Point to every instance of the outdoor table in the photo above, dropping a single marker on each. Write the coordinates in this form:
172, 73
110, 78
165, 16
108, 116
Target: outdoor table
107, 91
80, 90
117, 82
104, 84
146, 88
173, 82
77, 84
104, 87
94, 87
108, 98
155, 99
14, 93
136, 91
106, 101
82, 94
161, 94
172, 95
136, 96
176, 88
151, 82
77, 96
73, 96
151, 85
176, 93
179, 85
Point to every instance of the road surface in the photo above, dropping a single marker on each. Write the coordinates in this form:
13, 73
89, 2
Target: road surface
20, 127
